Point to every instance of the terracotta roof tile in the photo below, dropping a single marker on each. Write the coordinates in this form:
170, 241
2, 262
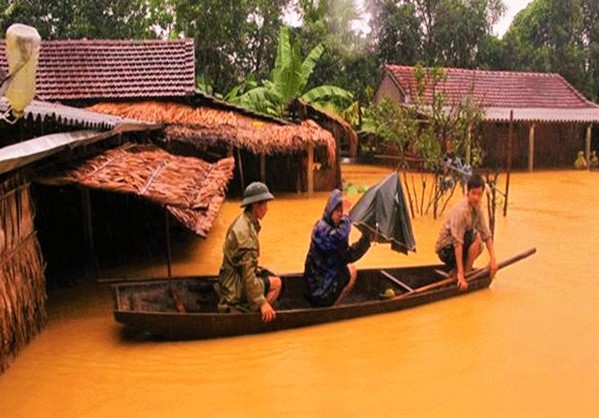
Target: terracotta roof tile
499, 89
97, 69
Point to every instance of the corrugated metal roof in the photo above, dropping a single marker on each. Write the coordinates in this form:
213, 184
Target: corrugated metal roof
542, 97
23, 153
96, 69
74, 117
588, 115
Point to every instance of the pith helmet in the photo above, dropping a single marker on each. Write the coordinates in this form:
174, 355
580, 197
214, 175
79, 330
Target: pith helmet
256, 192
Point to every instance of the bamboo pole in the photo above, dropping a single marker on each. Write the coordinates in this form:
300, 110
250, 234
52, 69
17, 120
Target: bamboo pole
510, 140
479, 273
310, 169
531, 147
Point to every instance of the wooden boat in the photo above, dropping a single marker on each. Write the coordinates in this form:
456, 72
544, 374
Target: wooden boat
185, 308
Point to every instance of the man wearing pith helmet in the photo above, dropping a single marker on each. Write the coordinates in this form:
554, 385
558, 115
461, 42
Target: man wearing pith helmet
242, 284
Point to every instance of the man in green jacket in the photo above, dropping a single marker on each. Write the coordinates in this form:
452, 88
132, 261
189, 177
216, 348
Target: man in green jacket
242, 283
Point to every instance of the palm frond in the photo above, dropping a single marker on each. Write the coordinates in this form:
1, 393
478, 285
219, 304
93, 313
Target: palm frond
261, 99
309, 64
326, 92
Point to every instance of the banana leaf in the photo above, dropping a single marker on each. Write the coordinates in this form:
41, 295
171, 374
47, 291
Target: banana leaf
382, 209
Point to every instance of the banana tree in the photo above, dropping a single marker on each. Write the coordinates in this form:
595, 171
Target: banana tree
289, 80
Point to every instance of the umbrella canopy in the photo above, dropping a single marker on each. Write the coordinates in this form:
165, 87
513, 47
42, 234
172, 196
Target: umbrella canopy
382, 209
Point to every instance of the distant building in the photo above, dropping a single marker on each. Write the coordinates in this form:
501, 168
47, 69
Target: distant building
552, 120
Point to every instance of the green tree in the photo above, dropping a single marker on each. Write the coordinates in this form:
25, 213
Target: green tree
75, 19
558, 36
232, 37
441, 32
289, 80
349, 61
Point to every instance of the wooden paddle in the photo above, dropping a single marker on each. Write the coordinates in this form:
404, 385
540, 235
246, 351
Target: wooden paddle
466, 276
475, 274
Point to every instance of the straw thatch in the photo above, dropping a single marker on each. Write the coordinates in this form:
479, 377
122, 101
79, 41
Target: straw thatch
208, 126
191, 189
340, 128
22, 280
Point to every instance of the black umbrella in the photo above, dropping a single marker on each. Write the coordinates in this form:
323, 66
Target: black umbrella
382, 209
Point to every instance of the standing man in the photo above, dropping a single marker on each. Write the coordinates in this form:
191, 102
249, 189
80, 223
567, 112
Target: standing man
328, 272
463, 232
242, 284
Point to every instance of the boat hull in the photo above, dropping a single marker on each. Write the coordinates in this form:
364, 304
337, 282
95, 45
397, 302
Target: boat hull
148, 305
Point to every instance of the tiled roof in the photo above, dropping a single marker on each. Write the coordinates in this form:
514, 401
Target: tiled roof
98, 69
498, 89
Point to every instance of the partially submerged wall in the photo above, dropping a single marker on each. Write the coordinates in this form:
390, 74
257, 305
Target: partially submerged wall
22, 280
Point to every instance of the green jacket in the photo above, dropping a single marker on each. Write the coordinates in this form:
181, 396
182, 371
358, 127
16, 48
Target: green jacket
237, 281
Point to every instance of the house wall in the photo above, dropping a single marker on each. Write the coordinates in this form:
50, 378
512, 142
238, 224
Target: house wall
389, 89
556, 144
22, 280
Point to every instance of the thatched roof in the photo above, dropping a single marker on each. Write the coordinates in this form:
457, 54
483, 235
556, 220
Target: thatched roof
330, 121
205, 125
191, 189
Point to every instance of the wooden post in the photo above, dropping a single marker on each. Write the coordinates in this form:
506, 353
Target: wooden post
310, 168
587, 147
510, 140
531, 147
240, 165
167, 227
263, 168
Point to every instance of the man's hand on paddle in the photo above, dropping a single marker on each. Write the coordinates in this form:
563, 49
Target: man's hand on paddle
492, 267
462, 283
268, 313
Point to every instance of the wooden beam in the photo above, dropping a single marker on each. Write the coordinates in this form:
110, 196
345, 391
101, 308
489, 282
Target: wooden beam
310, 168
587, 147
531, 147
240, 166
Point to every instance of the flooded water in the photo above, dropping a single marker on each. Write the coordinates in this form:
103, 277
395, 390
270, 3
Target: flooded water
527, 347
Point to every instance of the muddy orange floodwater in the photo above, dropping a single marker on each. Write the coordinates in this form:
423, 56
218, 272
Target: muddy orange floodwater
526, 347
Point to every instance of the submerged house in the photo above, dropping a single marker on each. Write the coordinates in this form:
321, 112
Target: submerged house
56, 145
53, 144
272, 150
552, 120
157, 80
92, 176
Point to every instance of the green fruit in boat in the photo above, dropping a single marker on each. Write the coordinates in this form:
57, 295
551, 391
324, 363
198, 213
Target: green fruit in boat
389, 293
